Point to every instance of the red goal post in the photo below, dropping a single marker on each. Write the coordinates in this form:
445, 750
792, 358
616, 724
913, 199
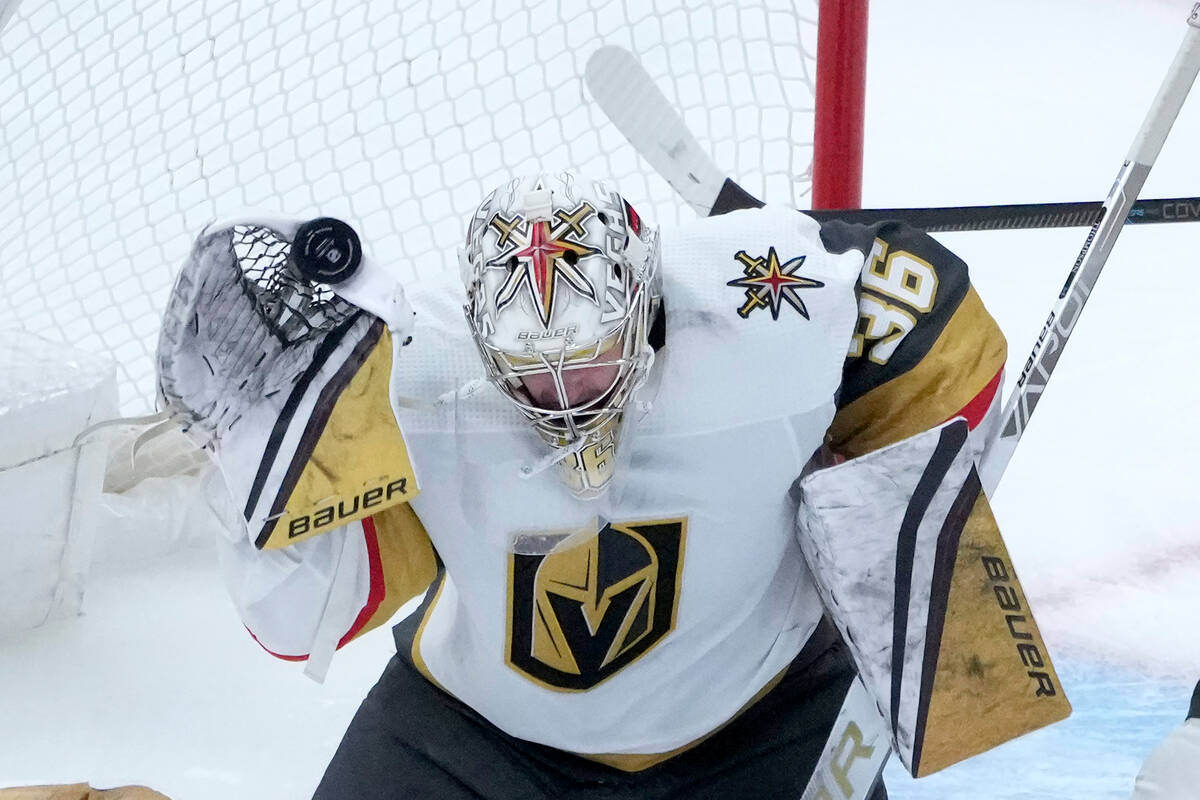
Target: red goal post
841, 104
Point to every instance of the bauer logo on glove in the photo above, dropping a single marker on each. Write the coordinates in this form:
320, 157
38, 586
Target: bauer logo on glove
276, 352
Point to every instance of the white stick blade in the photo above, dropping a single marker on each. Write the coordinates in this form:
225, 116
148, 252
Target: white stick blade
628, 95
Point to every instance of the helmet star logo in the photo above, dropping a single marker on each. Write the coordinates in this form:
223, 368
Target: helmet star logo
769, 284
541, 255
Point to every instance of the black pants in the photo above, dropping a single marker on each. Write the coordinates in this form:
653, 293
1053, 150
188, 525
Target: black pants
411, 740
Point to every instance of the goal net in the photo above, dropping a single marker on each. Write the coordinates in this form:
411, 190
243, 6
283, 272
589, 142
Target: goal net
129, 124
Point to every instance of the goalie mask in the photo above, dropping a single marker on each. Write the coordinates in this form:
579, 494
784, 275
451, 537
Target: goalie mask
562, 289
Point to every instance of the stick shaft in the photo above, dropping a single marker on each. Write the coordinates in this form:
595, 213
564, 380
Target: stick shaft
1020, 215
1065, 314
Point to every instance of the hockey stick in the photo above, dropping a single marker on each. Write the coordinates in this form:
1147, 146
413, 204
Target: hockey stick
1132, 176
1022, 216
643, 114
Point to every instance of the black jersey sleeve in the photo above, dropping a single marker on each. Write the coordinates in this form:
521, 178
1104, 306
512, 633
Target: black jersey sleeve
924, 349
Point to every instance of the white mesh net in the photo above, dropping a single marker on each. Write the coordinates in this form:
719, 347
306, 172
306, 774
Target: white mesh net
129, 125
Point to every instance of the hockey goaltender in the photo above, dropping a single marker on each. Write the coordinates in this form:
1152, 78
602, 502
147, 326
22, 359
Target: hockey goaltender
704, 479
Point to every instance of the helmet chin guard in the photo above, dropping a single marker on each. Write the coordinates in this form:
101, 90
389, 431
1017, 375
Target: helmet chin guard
562, 287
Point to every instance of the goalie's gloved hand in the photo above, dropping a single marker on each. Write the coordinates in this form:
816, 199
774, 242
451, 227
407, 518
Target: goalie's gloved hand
276, 351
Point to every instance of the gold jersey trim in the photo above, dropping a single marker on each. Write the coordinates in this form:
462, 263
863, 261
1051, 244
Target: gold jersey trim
417, 660
960, 364
403, 563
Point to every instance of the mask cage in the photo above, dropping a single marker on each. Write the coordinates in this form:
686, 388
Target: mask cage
506, 371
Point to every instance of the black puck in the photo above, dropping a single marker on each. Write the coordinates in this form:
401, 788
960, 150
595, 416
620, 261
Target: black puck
326, 250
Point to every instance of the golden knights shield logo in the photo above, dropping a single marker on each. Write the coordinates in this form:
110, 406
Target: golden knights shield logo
579, 615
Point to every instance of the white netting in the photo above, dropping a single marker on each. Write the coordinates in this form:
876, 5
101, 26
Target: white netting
126, 126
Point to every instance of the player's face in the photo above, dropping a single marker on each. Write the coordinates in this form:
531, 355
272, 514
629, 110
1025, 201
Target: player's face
582, 385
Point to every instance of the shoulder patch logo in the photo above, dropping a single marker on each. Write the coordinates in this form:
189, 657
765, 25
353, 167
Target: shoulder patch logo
769, 284
580, 615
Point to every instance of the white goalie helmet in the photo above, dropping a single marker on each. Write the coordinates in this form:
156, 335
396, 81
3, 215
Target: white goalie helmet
563, 288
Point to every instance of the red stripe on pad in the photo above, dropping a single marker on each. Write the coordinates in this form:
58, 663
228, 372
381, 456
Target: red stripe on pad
975, 410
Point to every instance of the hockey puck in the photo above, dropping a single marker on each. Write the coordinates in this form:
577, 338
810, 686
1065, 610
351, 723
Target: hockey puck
326, 250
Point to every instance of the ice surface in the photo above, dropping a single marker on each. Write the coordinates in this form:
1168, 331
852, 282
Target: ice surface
1027, 100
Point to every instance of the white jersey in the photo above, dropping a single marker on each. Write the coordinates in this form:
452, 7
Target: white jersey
682, 591
644, 619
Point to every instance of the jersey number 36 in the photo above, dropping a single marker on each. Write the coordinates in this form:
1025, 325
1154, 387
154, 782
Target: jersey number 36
896, 288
